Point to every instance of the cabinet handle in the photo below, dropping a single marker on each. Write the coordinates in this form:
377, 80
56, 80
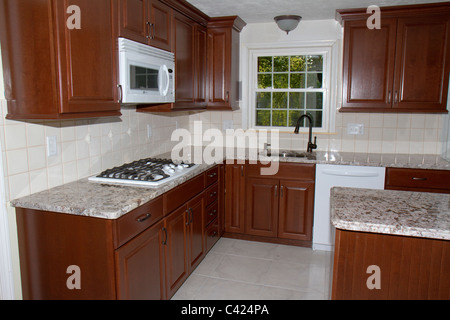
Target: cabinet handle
212, 194
396, 97
281, 191
190, 216
242, 171
165, 236
150, 27
212, 175
276, 190
419, 179
389, 96
228, 97
119, 86
143, 217
212, 235
213, 212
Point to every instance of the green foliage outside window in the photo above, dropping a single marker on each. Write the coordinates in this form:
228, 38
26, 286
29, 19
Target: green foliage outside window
287, 88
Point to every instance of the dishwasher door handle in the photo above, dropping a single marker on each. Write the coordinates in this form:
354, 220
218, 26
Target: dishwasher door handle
350, 174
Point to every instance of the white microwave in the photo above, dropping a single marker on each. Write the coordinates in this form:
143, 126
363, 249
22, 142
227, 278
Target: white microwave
146, 74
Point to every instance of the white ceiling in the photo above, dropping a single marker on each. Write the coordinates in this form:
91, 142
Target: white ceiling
256, 11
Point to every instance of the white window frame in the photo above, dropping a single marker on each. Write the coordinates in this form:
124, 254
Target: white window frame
330, 88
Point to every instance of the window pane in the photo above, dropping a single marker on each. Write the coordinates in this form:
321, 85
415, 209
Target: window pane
297, 81
280, 64
317, 118
298, 63
314, 100
280, 81
315, 63
263, 100
263, 118
293, 117
314, 80
279, 100
264, 81
296, 100
265, 64
279, 118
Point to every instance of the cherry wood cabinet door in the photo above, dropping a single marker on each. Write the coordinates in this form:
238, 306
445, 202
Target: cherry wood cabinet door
160, 25
88, 58
368, 69
133, 20
422, 63
200, 65
176, 250
235, 198
262, 207
140, 266
196, 230
184, 62
296, 210
219, 69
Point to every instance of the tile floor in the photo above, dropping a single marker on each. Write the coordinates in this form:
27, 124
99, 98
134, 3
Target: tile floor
248, 270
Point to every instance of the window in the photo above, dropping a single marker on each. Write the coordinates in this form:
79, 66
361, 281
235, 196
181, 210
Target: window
287, 83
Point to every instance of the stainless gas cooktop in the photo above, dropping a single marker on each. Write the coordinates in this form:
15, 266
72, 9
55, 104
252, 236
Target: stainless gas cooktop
145, 172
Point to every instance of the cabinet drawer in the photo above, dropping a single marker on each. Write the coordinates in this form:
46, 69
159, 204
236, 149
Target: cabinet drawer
293, 171
212, 194
181, 194
211, 212
212, 234
136, 221
211, 176
418, 179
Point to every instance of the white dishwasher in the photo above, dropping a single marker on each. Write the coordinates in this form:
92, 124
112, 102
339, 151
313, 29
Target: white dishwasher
328, 176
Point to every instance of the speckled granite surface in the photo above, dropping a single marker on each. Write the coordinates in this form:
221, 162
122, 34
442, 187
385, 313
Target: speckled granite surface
93, 199
416, 214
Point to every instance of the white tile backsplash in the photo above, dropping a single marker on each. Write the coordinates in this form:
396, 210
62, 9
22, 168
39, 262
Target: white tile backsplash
85, 147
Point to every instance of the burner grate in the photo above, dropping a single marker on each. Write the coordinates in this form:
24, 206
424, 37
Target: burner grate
144, 170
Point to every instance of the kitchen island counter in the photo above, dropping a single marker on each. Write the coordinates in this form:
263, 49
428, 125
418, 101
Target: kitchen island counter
417, 214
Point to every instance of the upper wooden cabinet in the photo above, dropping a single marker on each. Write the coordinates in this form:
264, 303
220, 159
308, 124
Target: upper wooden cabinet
146, 21
52, 71
403, 66
223, 62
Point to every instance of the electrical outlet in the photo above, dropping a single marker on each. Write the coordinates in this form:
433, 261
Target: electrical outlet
355, 128
51, 146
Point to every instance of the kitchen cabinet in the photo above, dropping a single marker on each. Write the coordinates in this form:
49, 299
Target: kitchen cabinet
277, 208
403, 66
235, 197
145, 254
141, 266
223, 63
185, 245
422, 180
53, 72
280, 208
146, 21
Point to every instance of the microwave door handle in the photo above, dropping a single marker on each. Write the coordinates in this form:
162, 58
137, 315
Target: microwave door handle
165, 74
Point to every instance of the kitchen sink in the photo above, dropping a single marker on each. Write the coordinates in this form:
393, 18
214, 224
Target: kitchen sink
293, 154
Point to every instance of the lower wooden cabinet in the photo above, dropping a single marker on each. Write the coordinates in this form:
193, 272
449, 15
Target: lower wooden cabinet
276, 208
140, 266
422, 180
146, 254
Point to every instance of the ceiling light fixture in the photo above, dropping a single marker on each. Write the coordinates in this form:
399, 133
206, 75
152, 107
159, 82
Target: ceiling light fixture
287, 22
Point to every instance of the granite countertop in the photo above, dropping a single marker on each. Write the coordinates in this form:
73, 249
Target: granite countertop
94, 199
405, 213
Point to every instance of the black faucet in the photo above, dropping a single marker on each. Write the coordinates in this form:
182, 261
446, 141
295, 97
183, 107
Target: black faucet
311, 146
